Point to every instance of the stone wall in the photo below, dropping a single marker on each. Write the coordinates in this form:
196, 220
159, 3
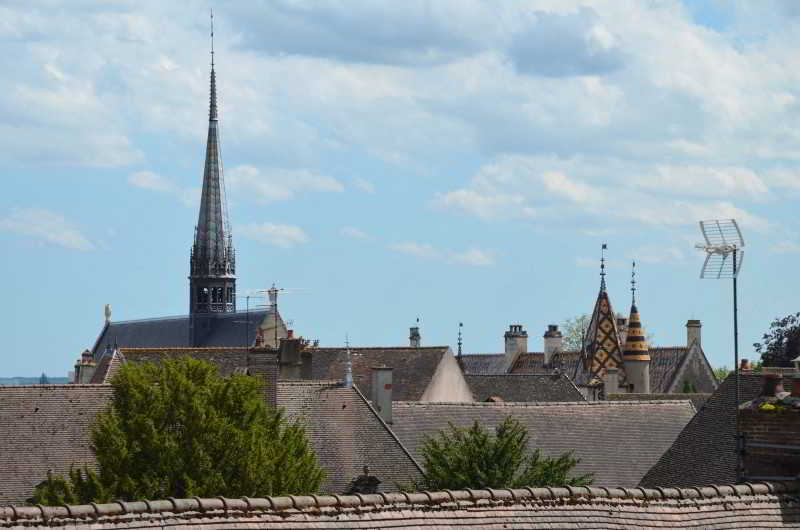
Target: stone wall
780, 427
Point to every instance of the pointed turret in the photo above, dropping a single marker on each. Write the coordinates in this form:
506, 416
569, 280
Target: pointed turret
601, 345
636, 353
212, 280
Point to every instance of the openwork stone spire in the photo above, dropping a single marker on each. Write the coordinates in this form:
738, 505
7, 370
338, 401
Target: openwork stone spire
213, 262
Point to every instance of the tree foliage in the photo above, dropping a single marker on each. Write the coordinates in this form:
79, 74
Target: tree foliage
574, 329
781, 343
721, 373
472, 457
178, 429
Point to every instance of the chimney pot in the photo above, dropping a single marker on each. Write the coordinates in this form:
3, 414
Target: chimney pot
414, 338
693, 329
744, 364
553, 342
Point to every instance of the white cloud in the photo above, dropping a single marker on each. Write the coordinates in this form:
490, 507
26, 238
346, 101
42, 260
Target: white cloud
786, 247
353, 233
47, 226
473, 256
274, 234
657, 254
149, 180
275, 184
364, 185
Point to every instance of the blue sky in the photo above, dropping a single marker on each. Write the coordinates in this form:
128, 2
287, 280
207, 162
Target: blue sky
449, 161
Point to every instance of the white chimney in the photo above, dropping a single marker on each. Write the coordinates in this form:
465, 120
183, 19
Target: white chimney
516, 342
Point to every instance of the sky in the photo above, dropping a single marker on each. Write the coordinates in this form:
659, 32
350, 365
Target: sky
450, 160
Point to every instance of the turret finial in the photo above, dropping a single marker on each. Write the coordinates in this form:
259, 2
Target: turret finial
603, 267
633, 283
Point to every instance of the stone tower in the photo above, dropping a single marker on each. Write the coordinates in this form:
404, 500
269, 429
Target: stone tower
636, 354
212, 264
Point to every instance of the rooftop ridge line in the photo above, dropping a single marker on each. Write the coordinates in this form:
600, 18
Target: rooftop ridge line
534, 404
315, 502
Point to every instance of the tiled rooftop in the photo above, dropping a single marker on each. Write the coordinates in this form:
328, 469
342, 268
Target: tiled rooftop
523, 387
618, 441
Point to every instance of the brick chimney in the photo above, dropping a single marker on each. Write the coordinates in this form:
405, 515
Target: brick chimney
414, 338
382, 392
516, 340
553, 342
693, 328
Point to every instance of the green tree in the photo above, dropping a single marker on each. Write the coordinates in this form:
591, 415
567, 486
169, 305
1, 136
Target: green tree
471, 457
781, 343
722, 372
178, 429
574, 329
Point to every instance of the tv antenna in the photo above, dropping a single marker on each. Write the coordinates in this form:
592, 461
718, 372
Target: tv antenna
271, 301
723, 248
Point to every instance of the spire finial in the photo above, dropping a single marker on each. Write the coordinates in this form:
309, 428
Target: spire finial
603, 267
460, 325
212, 38
212, 112
633, 283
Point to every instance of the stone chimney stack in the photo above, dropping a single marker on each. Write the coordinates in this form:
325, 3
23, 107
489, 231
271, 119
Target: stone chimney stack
612, 381
516, 340
553, 342
622, 329
414, 338
289, 363
84, 368
693, 328
382, 392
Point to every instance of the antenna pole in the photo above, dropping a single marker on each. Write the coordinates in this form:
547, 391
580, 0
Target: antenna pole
736, 362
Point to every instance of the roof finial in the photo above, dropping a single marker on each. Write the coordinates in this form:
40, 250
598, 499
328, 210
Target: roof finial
633, 283
460, 325
212, 113
348, 366
603, 267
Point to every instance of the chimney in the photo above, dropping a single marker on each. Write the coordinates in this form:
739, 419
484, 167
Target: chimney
107, 313
744, 364
516, 340
85, 368
382, 392
553, 342
622, 329
693, 332
305, 365
612, 381
289, 359
414, 338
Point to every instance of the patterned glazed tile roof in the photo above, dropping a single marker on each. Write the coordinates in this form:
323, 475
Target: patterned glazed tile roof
725, 507
523, 387
44, 427
703, 453
228, 329
483, 363
413, 367
617, 441
602, 340
347, 434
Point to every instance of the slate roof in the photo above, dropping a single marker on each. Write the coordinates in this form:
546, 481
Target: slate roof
229, 329
347, 434
617, 441
698, 399
44, 427
703, 453
523, 387
413, 367
483, 363
724, 507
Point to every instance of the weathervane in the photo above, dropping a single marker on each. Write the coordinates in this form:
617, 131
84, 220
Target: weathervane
212, 37
633, 283
460, 325
603, 267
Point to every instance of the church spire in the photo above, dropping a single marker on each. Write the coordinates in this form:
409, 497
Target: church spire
212, 262
636, 354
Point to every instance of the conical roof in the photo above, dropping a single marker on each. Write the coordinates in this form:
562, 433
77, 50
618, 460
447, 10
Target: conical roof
601, 345
636, 348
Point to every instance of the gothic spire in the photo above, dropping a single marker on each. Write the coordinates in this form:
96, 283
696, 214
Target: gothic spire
212, 262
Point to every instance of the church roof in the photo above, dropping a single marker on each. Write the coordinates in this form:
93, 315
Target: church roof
227, 329
413, 367
618, 441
